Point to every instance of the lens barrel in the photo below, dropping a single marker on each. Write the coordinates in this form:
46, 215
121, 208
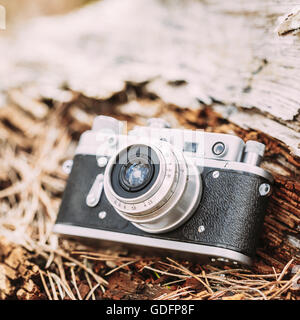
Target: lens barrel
152, 186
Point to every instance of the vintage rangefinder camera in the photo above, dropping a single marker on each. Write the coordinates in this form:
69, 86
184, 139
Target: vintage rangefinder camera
185, 192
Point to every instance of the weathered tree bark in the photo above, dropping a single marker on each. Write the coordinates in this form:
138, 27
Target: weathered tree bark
224, 66
223, 51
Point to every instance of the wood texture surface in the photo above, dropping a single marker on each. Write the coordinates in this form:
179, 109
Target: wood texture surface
234, 52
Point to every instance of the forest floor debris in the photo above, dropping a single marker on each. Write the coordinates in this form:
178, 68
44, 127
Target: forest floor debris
37, 264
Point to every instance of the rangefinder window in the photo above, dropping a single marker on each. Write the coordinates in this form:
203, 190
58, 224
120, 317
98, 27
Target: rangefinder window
190, 147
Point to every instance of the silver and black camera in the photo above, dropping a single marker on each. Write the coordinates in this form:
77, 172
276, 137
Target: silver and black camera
186, 192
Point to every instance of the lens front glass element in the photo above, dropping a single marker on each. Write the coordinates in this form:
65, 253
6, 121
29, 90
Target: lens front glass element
136, 173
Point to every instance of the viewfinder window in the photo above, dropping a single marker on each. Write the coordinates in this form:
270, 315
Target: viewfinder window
190, 147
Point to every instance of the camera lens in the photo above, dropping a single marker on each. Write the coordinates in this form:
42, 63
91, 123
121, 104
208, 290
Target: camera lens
152, 186
136, 174
135, 171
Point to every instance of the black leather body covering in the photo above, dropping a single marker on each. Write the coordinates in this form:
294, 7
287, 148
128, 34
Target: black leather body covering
231, 209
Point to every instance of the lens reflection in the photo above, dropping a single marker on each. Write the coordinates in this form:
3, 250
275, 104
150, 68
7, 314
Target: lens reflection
136, 174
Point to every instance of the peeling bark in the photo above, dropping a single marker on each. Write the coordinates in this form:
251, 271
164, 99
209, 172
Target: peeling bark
222, 51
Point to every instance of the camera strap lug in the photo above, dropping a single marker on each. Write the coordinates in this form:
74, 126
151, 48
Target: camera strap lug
95, 193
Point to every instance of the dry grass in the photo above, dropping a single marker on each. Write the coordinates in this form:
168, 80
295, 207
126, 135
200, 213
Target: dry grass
32, 149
